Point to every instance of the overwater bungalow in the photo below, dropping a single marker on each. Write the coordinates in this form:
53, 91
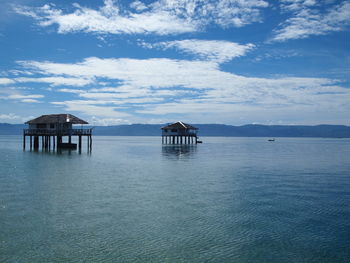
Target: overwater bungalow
179, 133
53, 128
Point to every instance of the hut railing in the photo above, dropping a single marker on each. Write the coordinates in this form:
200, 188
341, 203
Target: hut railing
180, 133
57, 132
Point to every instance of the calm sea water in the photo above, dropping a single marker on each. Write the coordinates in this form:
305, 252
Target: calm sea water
134, 200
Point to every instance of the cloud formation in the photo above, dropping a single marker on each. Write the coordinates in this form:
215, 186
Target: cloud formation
308, 19
160, 17
215, 50
5, 81
56, 81
166, 86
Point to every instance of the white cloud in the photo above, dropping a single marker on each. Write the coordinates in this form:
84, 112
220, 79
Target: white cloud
10, 94
90, 109
308, 21
296, 5
108, 19
30, 101
225, 13
32, 96
57, 81
219, 51
13, 118
10, 116
5, 81
138, 6
162, 17
198, 88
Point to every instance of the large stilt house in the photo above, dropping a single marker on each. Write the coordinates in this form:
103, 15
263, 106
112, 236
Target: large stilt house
179, 133
55, 127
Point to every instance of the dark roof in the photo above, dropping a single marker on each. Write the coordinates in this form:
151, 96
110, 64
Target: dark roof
179, 125
57, 118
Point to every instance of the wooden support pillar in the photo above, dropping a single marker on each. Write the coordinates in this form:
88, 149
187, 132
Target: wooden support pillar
59, 140
69, 139
181, 139
31, 143
24, 141
79, 143
53, 142
36, 142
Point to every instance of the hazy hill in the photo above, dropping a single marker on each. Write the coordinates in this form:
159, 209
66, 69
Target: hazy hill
330, 131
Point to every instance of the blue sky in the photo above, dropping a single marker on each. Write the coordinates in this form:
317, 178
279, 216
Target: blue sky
216, 61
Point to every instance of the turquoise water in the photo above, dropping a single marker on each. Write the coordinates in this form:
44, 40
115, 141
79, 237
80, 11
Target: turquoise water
134, 200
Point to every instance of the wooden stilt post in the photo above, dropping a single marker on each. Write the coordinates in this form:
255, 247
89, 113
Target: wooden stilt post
24, 140
36, 142
79, 143
31, 143
59, 141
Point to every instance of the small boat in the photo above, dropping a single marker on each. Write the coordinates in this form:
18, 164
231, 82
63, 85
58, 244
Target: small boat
271, 140
199, 142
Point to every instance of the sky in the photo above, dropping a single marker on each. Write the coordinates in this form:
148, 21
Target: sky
281, 62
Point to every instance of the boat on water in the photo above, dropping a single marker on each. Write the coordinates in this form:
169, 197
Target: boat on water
271, 140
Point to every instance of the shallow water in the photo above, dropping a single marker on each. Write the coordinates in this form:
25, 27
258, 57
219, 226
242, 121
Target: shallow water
134, 200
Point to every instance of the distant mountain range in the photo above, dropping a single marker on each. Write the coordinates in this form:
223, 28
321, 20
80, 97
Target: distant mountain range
251, 130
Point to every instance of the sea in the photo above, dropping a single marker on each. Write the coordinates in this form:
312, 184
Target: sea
132, 199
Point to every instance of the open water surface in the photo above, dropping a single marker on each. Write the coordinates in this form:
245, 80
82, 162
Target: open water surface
134, 200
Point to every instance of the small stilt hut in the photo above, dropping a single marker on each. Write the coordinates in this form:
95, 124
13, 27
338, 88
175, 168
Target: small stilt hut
53, 128
179, 133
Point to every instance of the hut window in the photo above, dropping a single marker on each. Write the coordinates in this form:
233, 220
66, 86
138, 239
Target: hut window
165, 130
41, 126
52, 126
174, 130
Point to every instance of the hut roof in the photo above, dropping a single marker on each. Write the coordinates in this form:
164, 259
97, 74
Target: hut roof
179, 125
57, 118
